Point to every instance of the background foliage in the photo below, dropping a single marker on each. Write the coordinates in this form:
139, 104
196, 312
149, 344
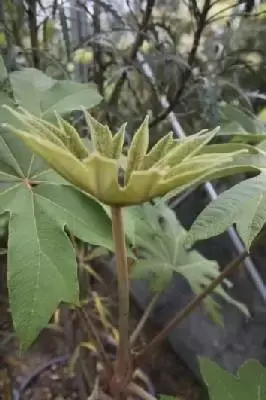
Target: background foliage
203, 54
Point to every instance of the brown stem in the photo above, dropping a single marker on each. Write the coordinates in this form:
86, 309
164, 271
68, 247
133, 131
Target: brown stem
181, 315
5, 384
123, 362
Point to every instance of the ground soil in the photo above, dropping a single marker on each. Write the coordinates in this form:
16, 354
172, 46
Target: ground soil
168, 374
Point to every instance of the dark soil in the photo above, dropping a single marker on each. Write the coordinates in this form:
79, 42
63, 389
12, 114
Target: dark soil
165, 370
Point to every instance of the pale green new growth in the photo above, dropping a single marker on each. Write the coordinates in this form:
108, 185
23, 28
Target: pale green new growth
73, 140
121, 179
185, 149
34, 125
158, 151
118, 142
101, 136
138, 149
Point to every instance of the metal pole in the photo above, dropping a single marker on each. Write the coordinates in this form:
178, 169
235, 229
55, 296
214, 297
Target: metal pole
210, 190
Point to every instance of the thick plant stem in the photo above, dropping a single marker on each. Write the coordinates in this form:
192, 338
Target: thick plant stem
123, 364
145, 316
181, 315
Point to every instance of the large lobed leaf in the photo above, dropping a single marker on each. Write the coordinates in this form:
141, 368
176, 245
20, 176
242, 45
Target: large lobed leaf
42, 267
160, 238
45, 96
243, 204
248, 384
40, 205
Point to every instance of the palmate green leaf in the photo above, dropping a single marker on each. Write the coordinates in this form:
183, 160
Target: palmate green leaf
42, 268
66, 96
42, 96
242, 116
39, 80
31, 101
157, 272
243, 204
248, 384
160, 240
40, 204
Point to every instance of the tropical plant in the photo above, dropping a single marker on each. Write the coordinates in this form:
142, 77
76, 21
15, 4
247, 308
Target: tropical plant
101, 169
199, 59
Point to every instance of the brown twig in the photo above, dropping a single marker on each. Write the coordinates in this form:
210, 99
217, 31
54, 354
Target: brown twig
144, 318
194, 303
134, 50
5, 385
98, 65
201, 23
33, 28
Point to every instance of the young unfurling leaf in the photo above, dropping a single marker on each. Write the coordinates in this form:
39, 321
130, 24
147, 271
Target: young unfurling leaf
118, 142
158, 151
138, 149
101, 136
74, 141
